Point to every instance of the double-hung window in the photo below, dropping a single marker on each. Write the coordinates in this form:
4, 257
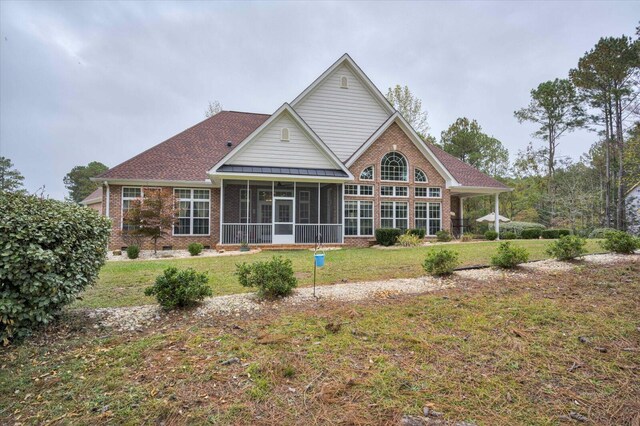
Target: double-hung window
394, 214
428, 216
424, 192
129, 194
363, 190
394, 191
358, 218
193, 214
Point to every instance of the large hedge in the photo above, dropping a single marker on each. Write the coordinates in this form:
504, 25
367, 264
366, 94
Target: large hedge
49, 252
517, 227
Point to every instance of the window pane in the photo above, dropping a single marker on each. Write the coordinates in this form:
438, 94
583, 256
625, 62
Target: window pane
183, 193
386, 210
386, 223
386, 191
420, 176
351, 209
366, 190
351, 189
200, 209
421, 192
401, 210
366, 209
351, 226
201, 194
367, 174
183, 226
401, 224
131, 192
421, 210
434, 192
393, 167
200, 226
366, 227
184, 209
402, 191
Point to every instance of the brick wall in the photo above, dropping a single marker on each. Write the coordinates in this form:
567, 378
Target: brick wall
178, 241
394, 135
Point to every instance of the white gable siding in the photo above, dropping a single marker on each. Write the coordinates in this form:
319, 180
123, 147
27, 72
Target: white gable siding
343, 118
268, 150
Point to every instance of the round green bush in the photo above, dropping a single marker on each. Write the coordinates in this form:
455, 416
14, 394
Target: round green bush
550, 234
491, 235
179, 288
133, 252
50, 251
443, 236
387, 236
600, 232
441, 262
564, 232
509, 256
508, 235
517, 227
531, 233
419, 232
195, 249
567, 247
620, 242
272, 278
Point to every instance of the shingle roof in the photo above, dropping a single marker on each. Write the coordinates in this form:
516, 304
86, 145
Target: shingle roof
95, 195
189, 155
297, 171
465, 174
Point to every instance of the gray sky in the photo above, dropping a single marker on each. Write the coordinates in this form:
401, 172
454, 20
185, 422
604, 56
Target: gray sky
103, 81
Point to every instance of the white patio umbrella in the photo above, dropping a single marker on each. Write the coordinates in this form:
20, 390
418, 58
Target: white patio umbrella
491, 218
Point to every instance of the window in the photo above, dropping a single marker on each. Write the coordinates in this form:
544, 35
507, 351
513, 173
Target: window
367, 173
193, 214
344, 82
128, 195
394, 191
420, 176
364, 190
421, 192
244, 199
358, 218
434, 193
393, 167
394, 214
428, 217
284, 134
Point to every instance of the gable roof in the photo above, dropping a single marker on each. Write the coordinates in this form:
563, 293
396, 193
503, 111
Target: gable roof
189, 155
283, 110
94, 197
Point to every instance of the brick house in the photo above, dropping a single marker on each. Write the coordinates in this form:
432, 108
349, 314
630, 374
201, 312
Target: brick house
338, 161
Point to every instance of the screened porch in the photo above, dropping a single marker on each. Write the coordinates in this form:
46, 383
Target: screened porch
272, 212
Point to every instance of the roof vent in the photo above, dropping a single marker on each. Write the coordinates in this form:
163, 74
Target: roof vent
229, 144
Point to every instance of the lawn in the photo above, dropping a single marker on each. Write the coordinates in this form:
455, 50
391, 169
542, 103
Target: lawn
123, 283
528, 350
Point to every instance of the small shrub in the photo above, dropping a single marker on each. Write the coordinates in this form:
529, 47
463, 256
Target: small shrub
409, 240
600, 232
567, 247
441, 262
272, 278
620, 242
563, 232
550, 234
443, 236
387, 236
531, 233
509, 256
467, 237
418, 231
195, 249
508, 235
491, 235
179, 288
517, 227
133, 252
50, 251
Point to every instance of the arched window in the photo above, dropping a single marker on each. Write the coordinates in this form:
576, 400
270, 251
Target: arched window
344, 82
367, 173
285, 134
393, 167
420, 176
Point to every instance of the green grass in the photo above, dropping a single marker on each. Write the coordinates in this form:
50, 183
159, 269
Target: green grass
123, 283
496, 353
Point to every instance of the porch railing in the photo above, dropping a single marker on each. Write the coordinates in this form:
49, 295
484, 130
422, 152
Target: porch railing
260, 233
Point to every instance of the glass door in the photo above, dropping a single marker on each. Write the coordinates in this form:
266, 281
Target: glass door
283, 223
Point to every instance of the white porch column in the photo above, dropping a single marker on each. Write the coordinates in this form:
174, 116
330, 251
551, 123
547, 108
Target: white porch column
461, 217
496, 223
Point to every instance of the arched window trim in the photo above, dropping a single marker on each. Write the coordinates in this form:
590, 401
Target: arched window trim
384, 172
284, 134
415, 176
373, 173
344, 82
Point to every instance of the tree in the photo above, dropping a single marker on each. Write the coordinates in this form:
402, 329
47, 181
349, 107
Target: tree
152, 216
212, 109
556, 108
607, 76
78, 182
464, 139
410, 107
632, 157
10, 178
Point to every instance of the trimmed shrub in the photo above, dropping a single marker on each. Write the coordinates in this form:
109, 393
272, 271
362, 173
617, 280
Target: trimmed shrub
531, 233
508, 235
418, 231
550, 234
563, 232
567, 247
409, 240
441, 262
491, 235
620, 242
601, 232
50, 251
509, 256
133, 252
179, 288
272, 278
195, 249
467, 237
517, 227
443, 236
387, 236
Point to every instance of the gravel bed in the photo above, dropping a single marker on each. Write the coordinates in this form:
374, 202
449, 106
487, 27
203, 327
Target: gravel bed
174, 254
137, 317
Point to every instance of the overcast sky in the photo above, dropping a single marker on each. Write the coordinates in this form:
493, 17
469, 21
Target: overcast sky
83, 82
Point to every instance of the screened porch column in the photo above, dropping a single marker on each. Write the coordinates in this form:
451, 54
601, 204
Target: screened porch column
496, 221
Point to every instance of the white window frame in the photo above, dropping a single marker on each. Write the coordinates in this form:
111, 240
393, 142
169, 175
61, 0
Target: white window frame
406, 165
395, 217
359, 218
373, 173
123, 199
192, 200
394, 191
358, 189
418, 170
427, 219
434, 187
285, 135
415, 192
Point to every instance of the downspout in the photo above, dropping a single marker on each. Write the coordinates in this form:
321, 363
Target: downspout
106, 209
